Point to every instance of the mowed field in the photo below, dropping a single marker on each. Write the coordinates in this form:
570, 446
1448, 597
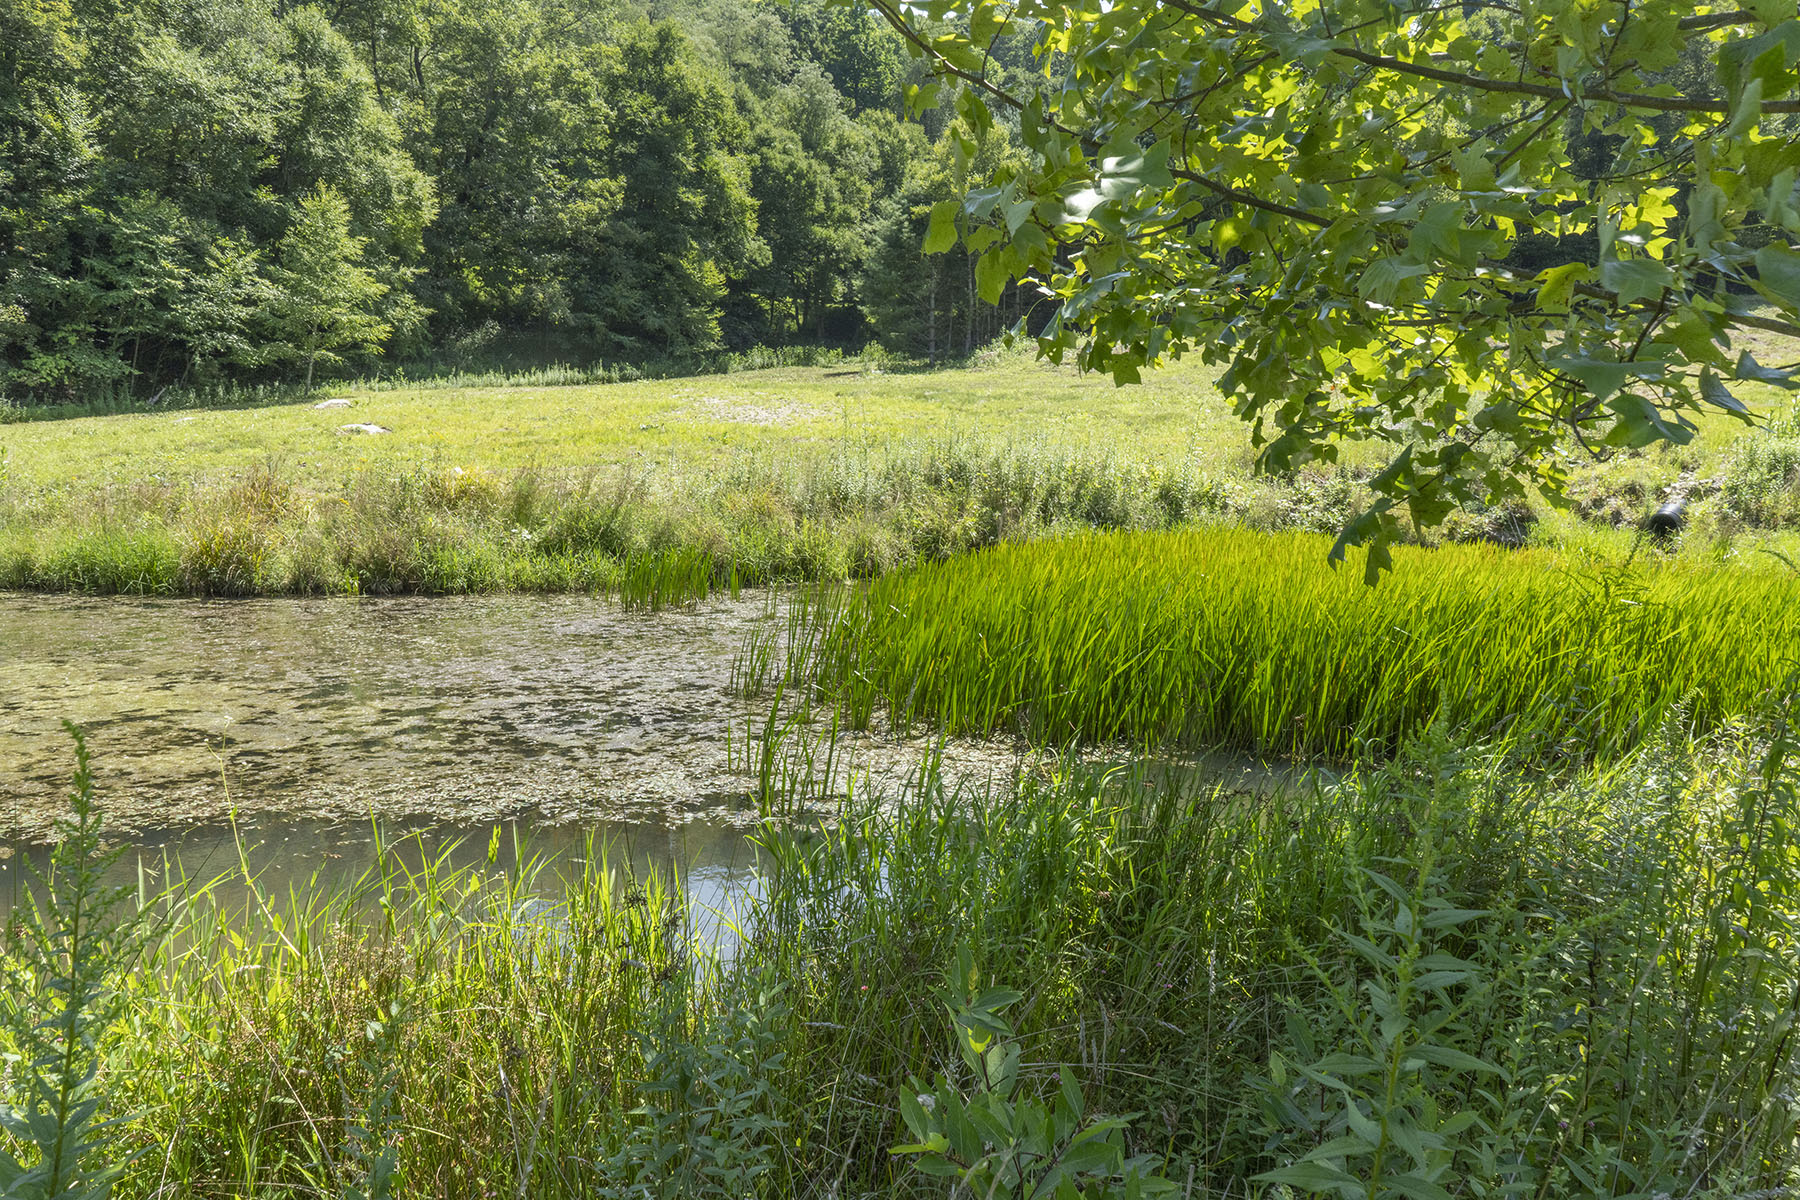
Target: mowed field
690, 422
1177, 412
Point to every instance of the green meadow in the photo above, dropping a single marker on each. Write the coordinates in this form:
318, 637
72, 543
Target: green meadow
760, 476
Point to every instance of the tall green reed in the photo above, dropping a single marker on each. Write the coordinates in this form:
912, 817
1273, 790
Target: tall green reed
1227, 637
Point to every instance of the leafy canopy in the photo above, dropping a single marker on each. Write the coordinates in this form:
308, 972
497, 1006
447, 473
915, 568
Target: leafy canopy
1347, 203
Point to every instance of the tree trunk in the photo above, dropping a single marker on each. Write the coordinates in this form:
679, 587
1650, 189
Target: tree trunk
931, 318
969, 325
311, 355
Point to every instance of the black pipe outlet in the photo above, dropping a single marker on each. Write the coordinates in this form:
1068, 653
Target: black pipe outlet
1668, 520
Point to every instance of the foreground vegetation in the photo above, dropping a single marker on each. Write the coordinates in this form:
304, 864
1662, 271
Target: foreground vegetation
1440, 978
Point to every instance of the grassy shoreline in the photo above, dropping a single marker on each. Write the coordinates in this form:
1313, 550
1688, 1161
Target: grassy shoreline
450, 530
777, 475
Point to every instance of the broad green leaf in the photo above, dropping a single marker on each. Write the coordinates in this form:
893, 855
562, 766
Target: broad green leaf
1557, 288
1636, 279
1778, 273
1128, 174
1382, 279
1641, 423
1748, 368
1600, 376
940, 235
1715, 392
991, 275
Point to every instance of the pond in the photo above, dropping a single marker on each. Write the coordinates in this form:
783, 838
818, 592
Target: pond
309, 721
292, 728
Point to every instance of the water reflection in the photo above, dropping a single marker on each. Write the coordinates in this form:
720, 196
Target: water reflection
713, 862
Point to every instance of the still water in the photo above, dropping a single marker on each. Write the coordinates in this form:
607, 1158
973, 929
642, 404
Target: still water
307, 721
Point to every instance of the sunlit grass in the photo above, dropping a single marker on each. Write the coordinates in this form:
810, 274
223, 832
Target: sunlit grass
1229, 637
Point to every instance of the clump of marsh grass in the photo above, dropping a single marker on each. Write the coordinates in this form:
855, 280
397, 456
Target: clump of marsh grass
434, 529
1228, 637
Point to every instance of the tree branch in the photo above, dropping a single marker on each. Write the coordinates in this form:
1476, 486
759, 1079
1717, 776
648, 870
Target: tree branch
1716, 20
1243, 197
1520, 88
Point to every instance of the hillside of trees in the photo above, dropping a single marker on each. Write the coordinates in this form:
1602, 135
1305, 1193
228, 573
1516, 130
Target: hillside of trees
201, 191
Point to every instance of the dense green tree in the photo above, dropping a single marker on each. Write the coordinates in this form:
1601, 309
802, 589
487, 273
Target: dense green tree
545, 178
814, 171
46, 163
512, 126
861, 54
327, 298
188, 130
930, 304
685, 225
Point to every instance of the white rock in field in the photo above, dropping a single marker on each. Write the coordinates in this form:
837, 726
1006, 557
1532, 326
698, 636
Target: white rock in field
363, 427
334, 402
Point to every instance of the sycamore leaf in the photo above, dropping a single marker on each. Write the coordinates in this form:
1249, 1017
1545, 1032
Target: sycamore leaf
1557, 286
1715, 392
1382, 279
1640, 423
1126, 175
1749, 368
1602, 376
1366, 530
991, 275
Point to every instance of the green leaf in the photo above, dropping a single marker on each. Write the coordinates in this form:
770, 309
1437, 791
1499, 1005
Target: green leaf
1454, 1059
1641, 423
995, 998
1715, 392
1071, 1094
1129, 174
1416, 1188
1778, 275
1095, 1155
1450, 918
1310, 1176
913, 1113
1382, 278
992, 273
1748, 368
1600, 376
1556, 288
940, 235
1636, 279
1366, 529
